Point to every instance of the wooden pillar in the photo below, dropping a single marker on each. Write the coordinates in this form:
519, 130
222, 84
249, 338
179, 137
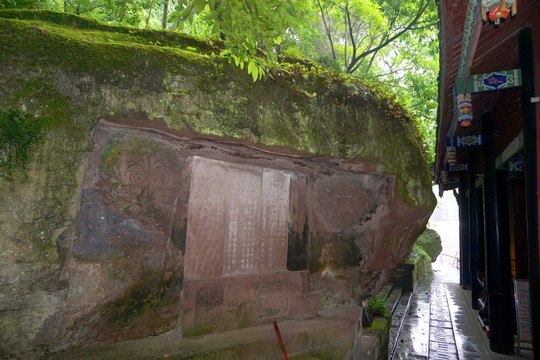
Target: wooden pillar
526, 60
464, 241
474, 234
498, 279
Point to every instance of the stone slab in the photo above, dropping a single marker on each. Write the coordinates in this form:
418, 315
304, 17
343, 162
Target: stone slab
206, 219
274, 221
238, 220
232, 302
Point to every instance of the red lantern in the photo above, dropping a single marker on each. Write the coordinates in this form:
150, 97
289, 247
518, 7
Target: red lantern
496, 10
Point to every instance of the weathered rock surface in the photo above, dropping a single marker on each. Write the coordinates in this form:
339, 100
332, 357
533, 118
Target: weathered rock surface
196, 217
430, 241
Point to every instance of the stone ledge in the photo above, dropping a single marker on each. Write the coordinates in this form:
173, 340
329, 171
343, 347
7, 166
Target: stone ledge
332, 329
375, 340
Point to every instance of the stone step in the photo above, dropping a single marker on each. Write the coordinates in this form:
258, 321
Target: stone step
392, 299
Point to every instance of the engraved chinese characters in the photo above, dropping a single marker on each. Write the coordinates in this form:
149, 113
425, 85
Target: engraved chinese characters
237, 220
236, 248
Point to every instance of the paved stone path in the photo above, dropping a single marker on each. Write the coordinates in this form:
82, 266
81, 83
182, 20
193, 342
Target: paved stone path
440, 324
422, 324
442, 343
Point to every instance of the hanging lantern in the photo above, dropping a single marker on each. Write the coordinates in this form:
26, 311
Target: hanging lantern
451, 158
444, 176
496, 10
464, 107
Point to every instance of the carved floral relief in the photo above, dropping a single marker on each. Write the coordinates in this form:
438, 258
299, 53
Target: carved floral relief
140, 178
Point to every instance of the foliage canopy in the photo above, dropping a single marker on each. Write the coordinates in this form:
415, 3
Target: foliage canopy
390, 42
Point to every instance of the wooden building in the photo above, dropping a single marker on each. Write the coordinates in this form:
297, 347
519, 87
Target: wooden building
487, 152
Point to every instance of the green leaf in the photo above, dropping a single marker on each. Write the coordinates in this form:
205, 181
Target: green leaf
253, 69
251, 66
199, 5
188, 12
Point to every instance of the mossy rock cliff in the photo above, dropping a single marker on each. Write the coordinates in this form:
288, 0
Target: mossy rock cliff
70, 72
430, 241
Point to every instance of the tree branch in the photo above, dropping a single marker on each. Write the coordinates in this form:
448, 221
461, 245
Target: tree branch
328, 34
387, 39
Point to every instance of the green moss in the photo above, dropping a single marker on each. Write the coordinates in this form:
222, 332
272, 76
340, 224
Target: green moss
300, 104
379, 323
426, 248
136, 303
98, 52
207, 356
430, 242
421, 260
136, 147
196, 331
19, 134
86, 26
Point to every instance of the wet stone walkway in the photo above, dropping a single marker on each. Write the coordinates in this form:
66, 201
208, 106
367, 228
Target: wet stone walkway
442, 343
439, 323
427, 331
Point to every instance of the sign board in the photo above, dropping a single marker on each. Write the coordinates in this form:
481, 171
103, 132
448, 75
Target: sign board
523, 311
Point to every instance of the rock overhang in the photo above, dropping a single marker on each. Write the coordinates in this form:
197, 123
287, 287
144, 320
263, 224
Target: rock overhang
346, 145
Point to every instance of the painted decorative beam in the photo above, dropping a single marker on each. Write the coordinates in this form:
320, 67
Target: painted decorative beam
456, 167
471, 33
494, 81
479, 83
467, 140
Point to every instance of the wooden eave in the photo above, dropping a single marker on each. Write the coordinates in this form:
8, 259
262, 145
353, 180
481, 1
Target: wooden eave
496, 50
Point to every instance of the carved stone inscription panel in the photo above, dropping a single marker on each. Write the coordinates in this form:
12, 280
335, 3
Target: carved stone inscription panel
243, 214
274, 221
269, 299
235, 301
237, 220
206, 219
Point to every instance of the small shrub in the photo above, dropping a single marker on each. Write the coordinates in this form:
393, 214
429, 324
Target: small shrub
377, 306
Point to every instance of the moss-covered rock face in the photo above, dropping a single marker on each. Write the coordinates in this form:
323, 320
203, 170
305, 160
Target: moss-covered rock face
430, 241
69, 72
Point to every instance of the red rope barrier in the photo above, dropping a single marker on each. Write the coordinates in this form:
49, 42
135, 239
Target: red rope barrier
280, 339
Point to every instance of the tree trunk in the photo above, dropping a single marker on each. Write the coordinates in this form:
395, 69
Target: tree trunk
165, 11
123, 11
149, 13
345, 34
